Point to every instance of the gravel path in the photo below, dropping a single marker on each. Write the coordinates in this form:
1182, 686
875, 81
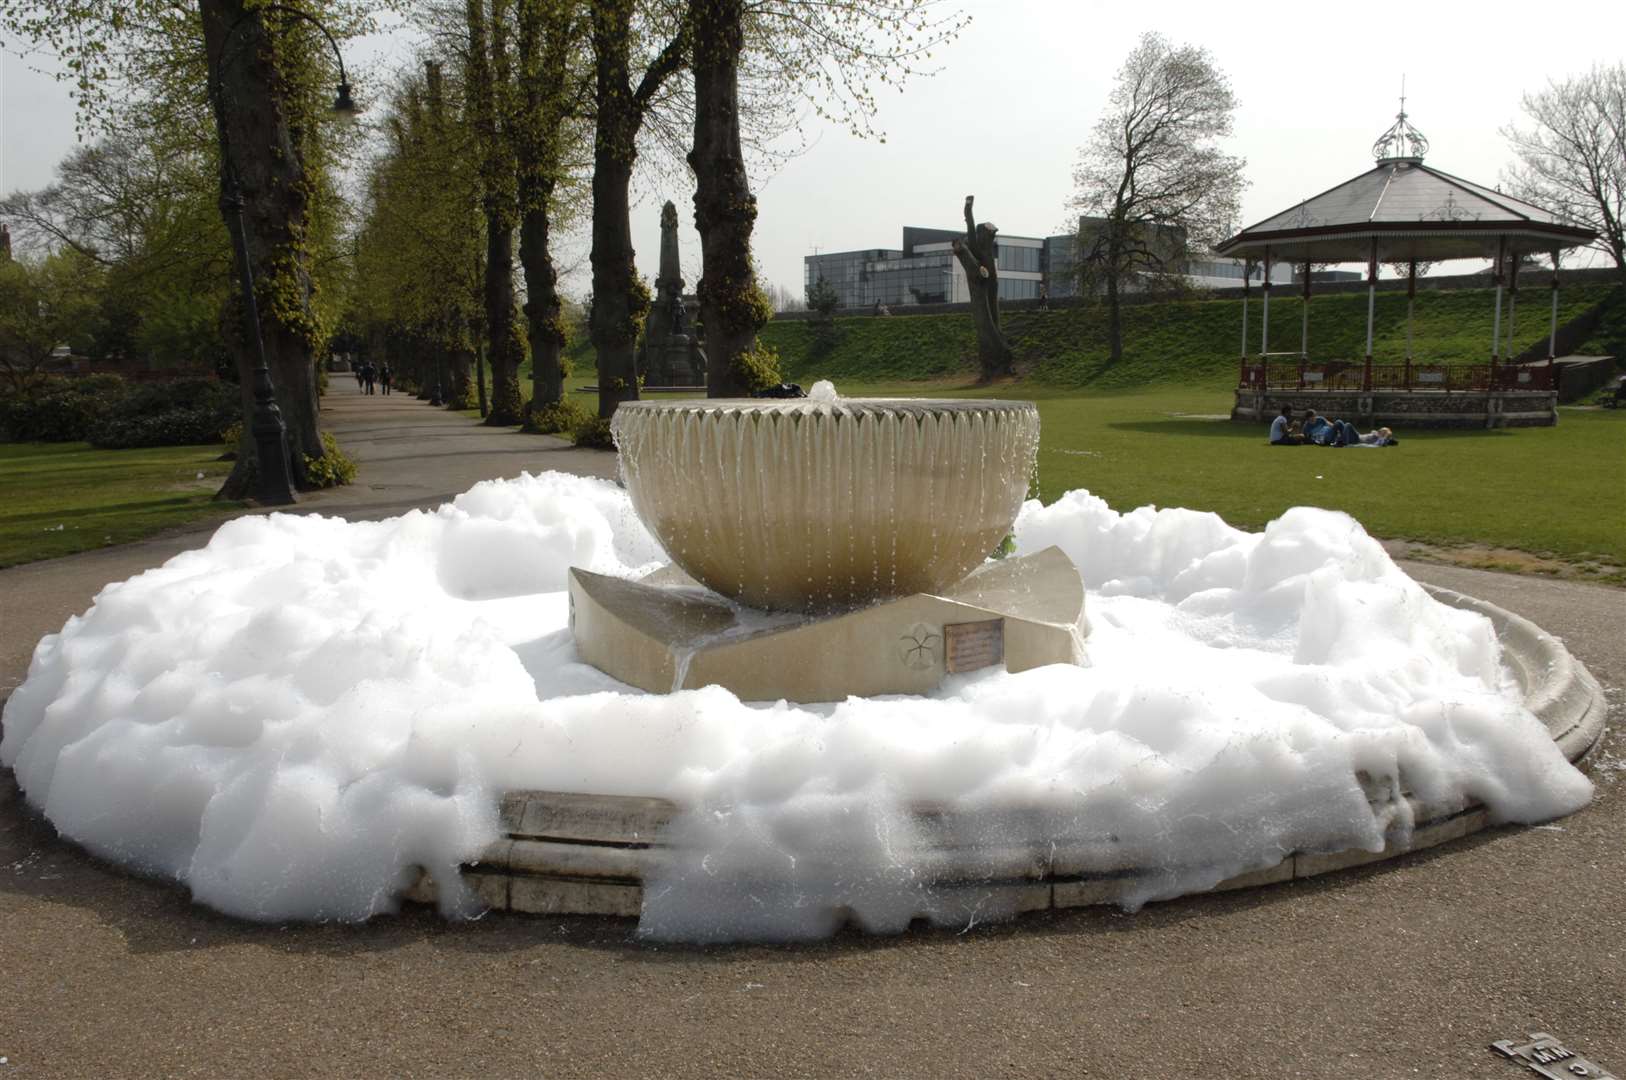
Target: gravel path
1406, 968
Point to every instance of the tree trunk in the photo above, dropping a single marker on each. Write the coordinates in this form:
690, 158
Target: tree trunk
976, 253
620, 299
256, 131
543, 42
1115, 330
479, 368
460, 364
506, 351
724, 208
485, 75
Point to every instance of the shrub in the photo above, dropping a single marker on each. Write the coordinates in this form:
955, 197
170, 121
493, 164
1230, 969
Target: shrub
179, 413
333, 468
758, 369
555, 417
178, 427
593, 433
58, 409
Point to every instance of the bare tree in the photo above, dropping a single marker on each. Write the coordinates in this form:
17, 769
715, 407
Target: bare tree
976, 253
1152, 184
1573, 158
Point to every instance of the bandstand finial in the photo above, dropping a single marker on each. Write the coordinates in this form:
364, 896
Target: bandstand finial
1401, 142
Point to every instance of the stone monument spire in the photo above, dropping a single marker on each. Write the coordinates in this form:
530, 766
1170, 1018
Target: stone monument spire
671, 275
669, 357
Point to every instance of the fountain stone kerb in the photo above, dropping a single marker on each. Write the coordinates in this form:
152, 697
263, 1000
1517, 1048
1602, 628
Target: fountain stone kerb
827, 547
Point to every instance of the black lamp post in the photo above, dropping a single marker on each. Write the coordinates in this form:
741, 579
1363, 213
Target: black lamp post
275, 482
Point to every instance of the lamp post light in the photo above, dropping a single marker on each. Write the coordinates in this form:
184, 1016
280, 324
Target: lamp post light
275, 482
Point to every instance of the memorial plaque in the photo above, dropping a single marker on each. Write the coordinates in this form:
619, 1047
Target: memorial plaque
968, 646
1546, 1056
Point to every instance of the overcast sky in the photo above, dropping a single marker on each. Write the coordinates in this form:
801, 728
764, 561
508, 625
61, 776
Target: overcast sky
1016, 95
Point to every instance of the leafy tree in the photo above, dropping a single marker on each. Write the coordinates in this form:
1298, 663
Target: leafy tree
44, 304
489, 87
1152, 184
1572, 159
828, 54
619, 32
823, 298
139, 205
547, 130
258, 74
419, 247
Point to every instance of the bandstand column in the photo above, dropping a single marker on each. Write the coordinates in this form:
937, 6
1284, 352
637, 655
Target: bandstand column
1304, 327
1496, 325
1246, 264
1411, 303
1512, 304
1264, 320
1552, 332
1371, 310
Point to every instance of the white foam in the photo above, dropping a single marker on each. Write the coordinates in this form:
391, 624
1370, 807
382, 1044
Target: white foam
295, 717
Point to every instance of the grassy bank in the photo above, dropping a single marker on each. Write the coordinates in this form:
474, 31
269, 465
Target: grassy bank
61, 498
1192, 343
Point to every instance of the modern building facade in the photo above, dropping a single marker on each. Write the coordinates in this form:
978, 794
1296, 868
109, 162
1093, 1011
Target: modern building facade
924, 270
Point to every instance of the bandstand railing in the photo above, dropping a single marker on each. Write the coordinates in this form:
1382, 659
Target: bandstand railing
1271, 373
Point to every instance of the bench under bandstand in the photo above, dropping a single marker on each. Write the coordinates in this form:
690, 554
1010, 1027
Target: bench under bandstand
1404, 212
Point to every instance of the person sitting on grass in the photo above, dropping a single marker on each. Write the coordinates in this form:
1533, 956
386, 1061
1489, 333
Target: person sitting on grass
1318, 429
1283, 432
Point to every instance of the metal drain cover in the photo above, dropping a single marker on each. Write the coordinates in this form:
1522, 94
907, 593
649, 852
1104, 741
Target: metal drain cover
1546, 1056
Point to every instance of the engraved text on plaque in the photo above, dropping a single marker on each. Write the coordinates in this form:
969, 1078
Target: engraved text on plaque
968, 646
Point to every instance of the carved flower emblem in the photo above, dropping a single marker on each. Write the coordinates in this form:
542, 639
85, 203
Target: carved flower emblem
918, 647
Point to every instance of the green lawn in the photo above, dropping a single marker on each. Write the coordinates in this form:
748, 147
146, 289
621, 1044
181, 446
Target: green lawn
1554, 491
59, 498
1141, 431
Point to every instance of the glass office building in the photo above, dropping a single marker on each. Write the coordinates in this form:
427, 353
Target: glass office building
925, 271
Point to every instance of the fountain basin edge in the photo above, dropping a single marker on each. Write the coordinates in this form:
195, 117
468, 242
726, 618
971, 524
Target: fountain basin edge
586, 854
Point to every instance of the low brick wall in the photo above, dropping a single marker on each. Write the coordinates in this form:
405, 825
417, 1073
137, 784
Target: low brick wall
1403, 409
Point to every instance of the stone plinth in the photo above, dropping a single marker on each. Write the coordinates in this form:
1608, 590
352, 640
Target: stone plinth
665, 633
1402, 409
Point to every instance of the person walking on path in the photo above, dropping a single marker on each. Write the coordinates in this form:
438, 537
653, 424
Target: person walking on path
361, 383
368, 374
384, 377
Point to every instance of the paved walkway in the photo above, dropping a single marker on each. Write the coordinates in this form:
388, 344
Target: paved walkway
1405, 968
409, 456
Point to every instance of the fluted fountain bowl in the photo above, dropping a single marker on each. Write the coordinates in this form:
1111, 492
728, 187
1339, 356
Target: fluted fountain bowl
804, 505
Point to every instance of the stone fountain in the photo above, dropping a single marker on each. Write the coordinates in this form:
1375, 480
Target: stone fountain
828, 547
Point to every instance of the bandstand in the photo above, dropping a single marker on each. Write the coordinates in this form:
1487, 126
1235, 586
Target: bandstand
1403, 212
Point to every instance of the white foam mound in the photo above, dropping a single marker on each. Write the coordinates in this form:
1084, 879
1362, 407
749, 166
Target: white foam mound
296, 717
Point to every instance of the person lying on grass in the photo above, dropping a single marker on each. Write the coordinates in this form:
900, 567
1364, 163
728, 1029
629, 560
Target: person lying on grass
1348, 436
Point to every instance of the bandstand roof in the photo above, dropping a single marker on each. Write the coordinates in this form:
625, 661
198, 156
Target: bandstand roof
1413, 210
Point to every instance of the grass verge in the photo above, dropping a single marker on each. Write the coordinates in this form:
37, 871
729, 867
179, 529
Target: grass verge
61, 498
1554, 493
